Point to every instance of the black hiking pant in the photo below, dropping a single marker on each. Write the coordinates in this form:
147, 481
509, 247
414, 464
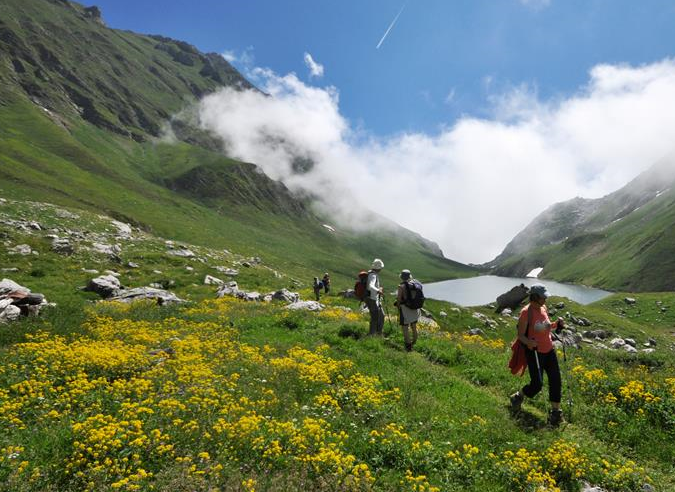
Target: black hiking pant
548, 363
376, 316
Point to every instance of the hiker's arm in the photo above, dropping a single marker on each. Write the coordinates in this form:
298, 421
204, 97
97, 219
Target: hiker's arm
372, 287
400, 294
522, 328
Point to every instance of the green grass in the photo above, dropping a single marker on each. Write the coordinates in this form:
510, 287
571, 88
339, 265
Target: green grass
452, 390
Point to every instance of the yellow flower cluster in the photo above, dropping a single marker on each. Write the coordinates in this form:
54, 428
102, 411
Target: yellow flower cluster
635, 392
565, 460
495, 344
341, 314
464, 455
526, 470
418, 483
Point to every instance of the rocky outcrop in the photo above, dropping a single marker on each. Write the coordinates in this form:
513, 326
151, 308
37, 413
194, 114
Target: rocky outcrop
513, 298
17, 300
159, 295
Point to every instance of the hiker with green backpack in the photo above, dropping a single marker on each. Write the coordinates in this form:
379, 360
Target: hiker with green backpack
409, 299
534, 337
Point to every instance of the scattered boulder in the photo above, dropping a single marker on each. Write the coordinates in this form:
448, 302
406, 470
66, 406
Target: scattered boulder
182, 253
476, 331
648, 351
591, 488
112, 250
569, 339
189, 269
489, 322
617, 343
131, 264
443, 314
507, 312
512, 298
629, 348
348, 294
560, 305
286, 296
230, 272
106, 286
583, 322
249, 296
306, 306
426, 313
9, 270
228, 289
159, 295
596, 334
651, 342
62, 246
630, 341
427, 323
630, 300
21, 249
209, 280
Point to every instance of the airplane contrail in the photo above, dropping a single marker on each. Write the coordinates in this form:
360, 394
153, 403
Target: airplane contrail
390, 27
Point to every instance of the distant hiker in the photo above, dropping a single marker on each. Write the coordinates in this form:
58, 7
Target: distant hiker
326, 282
318, 285
534, 332
374, 298
408, 309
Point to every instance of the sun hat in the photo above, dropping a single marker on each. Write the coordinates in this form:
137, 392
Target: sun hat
539, 290
377, 264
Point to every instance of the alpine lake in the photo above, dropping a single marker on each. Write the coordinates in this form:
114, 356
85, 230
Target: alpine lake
478, 291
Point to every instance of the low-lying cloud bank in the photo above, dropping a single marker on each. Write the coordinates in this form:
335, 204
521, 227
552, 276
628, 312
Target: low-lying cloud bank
472, 186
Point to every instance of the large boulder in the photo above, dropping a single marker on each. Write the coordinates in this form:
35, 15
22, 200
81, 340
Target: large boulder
229, 289
10, 313
159, 295
106, 286
513, 298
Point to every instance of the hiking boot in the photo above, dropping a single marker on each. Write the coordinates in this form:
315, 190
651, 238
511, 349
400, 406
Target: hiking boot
408, 347
516, 400
555, 418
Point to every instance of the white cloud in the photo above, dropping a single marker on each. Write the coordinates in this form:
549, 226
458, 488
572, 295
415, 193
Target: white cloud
315, 69
244, 59
473, 186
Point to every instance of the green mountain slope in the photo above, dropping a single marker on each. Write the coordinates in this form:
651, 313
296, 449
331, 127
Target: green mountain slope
81, 107
623, 241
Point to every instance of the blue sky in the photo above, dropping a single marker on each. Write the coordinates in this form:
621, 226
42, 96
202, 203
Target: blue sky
443, 59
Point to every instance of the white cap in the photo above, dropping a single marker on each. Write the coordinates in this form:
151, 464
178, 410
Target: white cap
377, 264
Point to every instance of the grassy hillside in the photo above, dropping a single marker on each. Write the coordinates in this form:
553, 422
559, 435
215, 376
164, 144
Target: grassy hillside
81, 106
624, 241
228, 395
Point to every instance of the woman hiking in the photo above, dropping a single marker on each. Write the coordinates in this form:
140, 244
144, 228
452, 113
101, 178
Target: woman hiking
407, 316
534, 332
374, 298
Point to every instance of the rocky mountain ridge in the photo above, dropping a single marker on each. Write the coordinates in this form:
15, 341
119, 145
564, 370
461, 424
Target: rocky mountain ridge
634, 224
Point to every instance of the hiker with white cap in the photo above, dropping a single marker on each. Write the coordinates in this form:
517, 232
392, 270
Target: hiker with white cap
534, 332
374, 297
408, 314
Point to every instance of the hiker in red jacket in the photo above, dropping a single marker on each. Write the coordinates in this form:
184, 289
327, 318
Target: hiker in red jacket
540, 353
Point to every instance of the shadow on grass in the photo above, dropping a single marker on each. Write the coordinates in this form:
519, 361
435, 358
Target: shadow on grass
526, 421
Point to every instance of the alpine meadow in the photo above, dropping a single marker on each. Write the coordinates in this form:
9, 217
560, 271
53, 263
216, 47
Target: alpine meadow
158, 323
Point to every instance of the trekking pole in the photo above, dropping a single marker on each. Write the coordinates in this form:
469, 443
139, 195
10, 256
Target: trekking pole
536, 357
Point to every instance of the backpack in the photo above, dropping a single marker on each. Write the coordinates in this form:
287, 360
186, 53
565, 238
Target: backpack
414, 296
361, 286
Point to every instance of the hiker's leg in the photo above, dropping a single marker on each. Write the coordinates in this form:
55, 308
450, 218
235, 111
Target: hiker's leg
554, 380
380, 321
530, 390
406, 336
414, 332
373, 310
